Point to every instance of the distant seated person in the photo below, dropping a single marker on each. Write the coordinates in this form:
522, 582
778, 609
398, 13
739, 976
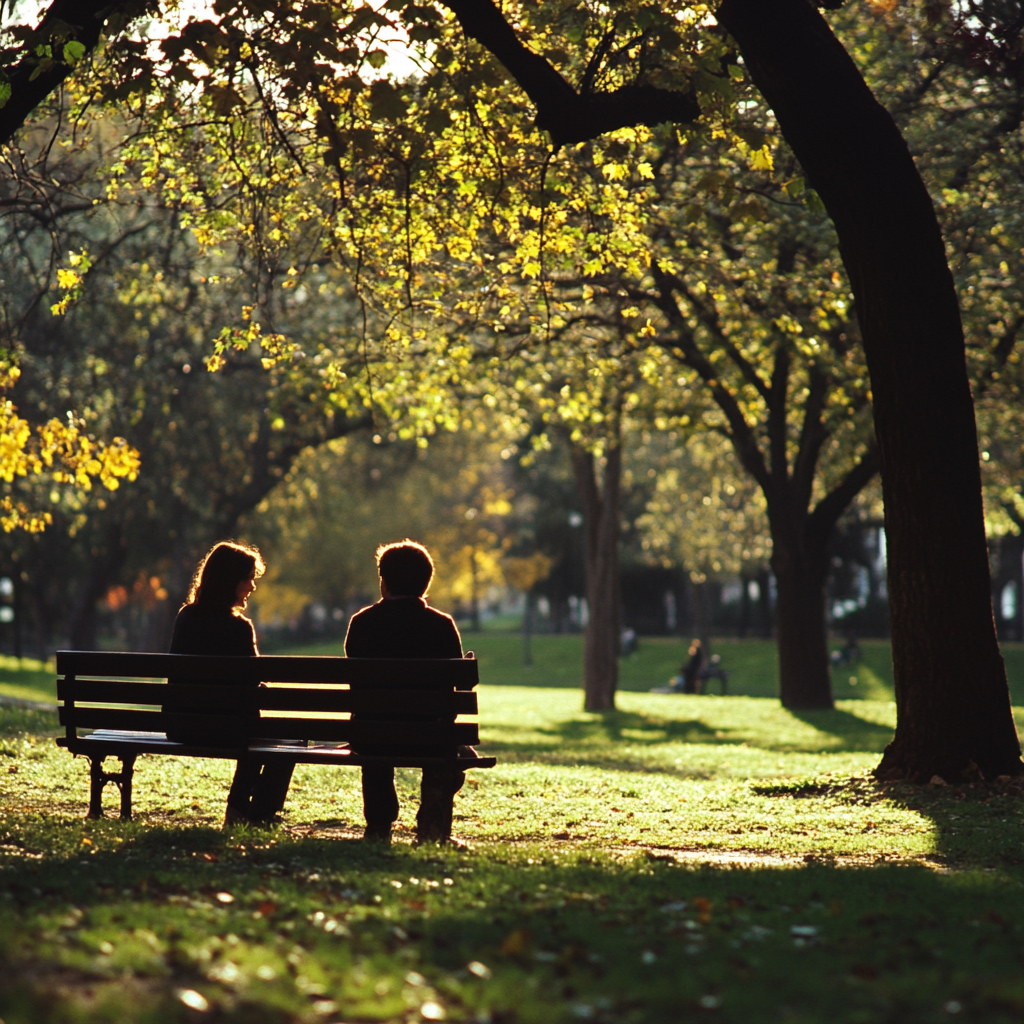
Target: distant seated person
211, 622
689, 679
402, 625
850, 653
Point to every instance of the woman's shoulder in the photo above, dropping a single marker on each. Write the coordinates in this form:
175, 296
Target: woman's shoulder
241, 623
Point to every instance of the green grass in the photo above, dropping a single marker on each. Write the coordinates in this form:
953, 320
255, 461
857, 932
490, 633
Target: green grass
27, 679
681, 858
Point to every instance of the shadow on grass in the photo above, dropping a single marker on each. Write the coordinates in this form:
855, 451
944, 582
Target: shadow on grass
855, 733
611, 739
261, 926
601, 740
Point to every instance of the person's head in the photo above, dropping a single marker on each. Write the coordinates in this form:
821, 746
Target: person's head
694, 647
226, 576
405, 568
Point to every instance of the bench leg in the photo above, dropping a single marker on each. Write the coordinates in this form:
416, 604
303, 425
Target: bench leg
97, 780
125, 784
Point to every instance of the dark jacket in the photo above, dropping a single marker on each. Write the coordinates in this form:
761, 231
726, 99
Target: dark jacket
401, 627
198, 630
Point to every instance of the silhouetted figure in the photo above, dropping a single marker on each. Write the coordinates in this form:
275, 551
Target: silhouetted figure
211, 622
402, 625
849, 654
690, 675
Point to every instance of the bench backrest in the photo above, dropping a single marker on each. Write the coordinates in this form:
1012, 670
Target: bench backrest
112, 690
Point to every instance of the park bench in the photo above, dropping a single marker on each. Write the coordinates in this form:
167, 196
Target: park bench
121, 705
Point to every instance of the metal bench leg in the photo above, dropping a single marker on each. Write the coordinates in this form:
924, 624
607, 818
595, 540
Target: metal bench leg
97, 780
125, 784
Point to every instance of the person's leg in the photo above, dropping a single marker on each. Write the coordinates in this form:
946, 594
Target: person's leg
380, 800
271, 790
239, 808
437, 795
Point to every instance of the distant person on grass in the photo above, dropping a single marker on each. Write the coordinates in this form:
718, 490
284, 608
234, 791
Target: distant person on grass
211, 622
402, 625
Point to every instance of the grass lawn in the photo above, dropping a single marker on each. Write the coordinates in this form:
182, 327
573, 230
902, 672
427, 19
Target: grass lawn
683, 858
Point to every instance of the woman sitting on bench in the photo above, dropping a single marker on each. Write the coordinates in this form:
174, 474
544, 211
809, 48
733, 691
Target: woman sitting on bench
211, 622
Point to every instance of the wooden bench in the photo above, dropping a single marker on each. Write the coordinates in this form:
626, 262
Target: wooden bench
121, 705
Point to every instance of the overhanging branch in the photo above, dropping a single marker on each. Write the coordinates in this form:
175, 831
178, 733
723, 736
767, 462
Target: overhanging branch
567, 115
64, 20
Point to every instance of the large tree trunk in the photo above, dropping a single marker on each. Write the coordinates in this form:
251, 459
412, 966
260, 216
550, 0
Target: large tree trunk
601, 524
804, 669
951, 693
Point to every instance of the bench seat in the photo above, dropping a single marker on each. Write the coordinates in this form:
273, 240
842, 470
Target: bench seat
302, 709
107, 742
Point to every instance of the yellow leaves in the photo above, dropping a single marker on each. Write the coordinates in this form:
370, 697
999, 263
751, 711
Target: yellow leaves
524, 573
70, 456
78, 458
71, 280
648, 330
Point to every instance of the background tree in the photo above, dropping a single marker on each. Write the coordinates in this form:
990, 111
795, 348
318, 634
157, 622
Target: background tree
856, 160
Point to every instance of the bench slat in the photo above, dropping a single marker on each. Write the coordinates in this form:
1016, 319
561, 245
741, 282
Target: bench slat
396, 733
111, 744
438, 703
383, 673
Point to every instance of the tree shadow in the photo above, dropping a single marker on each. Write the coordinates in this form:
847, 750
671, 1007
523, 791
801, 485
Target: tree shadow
608, 727
557, 933
855, 733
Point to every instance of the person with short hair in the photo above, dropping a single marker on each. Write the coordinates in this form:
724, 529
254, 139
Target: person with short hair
211, 622
402, 625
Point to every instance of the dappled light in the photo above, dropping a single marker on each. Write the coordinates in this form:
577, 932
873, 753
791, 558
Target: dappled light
681, 342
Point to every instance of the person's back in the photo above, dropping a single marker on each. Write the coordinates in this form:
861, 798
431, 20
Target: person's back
402, 625
211, 623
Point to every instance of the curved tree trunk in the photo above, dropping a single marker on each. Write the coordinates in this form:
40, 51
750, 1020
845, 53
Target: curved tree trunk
601, 523
951, 693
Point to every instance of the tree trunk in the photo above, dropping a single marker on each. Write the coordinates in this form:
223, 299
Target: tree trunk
528, 605
951, 693
804, 669
700, 615
743, 626
601, 524
764, 604
474, 597
103, 574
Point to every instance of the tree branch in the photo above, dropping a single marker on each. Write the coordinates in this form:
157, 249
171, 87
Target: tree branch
687, 351
812, 436
568, 116
65, 20
825, 516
